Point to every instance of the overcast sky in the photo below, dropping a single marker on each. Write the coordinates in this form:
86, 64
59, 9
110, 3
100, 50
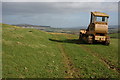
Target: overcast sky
56, 14
60, 0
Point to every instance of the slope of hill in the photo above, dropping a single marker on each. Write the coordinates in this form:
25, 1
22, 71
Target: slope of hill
31, 53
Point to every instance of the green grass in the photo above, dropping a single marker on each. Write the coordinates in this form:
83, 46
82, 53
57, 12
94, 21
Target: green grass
30, 53
114, 35
110, 52
90, 65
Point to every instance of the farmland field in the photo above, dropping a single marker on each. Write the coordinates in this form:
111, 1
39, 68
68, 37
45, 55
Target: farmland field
31, 53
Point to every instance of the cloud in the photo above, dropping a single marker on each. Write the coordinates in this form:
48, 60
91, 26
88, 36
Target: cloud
60, 0
55, 13
32, 8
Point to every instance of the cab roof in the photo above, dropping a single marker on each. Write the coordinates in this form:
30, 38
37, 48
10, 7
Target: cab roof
99, 14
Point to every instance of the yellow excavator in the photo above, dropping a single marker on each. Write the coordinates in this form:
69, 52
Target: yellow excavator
97, 30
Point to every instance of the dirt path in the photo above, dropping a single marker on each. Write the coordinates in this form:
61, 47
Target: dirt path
71, 71
102, 59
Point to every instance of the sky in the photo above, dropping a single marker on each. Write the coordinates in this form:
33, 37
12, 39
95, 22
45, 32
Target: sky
56, 14
60, 0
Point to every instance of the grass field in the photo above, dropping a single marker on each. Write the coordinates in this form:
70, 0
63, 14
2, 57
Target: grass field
114, 35
30, 53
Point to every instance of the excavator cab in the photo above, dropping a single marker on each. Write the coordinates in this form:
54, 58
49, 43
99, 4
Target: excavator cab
99, 18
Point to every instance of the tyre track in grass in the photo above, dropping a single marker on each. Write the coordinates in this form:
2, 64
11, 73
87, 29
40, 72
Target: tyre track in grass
72, 71
102, 59
93, 53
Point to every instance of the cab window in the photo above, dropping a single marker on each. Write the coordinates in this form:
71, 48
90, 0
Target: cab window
101, 19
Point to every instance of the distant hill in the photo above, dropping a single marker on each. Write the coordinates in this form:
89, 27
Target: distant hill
85, 27
71, 30
29, 25
113, 26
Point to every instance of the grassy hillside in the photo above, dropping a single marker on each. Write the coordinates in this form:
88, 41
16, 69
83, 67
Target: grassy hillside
30, 53
114, 35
